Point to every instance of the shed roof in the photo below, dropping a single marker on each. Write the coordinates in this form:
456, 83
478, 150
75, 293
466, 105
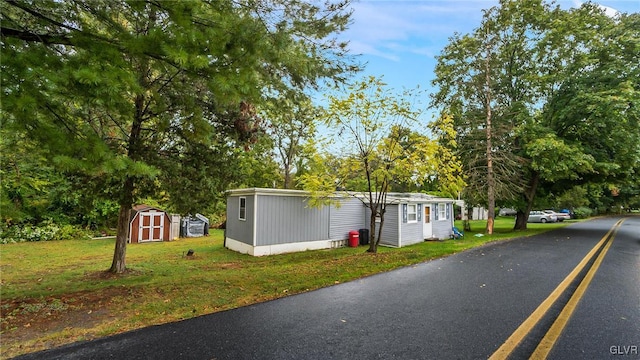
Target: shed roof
144, 207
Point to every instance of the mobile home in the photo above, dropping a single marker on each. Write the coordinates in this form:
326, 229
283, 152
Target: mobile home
272, 221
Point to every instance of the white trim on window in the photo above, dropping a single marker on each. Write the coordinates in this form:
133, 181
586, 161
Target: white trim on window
412, 213
442, 211
242, 208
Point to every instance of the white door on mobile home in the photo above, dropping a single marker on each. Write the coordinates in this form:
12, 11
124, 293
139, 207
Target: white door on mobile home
427, 227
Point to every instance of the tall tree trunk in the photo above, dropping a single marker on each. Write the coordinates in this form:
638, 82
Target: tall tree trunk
134, 150
491, 198
379, 237
118, 265
373, 242
529, 195
467, 222
287, 176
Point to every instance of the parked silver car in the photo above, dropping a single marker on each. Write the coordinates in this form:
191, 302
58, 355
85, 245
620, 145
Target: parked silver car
560, 216
507, 212
541, 217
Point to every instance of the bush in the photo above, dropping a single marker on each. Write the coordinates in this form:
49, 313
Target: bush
46, 231
66, 232
582, 212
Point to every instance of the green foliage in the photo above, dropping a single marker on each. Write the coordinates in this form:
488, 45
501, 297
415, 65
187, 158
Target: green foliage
46, 231
292, 124
449, 169
379, 149
598, 93
487, 82
26, 178
582, 212
564, 101
257, 167
573, 198
554, 159
153, 99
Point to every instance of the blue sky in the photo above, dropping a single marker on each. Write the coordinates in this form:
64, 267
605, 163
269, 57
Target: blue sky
400, 39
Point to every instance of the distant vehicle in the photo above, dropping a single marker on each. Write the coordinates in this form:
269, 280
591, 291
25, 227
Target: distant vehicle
567, 211
561, 216
541, 217
507, 212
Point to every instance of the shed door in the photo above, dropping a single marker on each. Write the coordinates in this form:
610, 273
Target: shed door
151, 226
427, 227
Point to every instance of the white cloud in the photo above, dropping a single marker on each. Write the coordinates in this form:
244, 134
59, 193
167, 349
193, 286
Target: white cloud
609, 11
387, 29
360, 48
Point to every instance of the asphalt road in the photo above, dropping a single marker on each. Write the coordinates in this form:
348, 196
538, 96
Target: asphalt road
464, 306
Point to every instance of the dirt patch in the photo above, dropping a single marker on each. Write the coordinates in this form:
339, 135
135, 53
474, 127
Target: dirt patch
230, 266
222, 266
107, 275
25, 320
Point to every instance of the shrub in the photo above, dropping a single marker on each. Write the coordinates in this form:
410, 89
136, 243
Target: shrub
582, 212
66, 232
46, 231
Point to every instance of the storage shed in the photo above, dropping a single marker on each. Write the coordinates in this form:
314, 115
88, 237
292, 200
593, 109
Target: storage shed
194, 226
148, 223
273, 221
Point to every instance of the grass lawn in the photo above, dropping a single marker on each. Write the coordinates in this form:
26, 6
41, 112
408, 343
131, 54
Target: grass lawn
53, 293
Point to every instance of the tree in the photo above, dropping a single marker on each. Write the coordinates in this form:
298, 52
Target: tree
140, 94
597, 94
26, 179
257, 167
292, 124
485, 83
553, 73
588, 92
378, 148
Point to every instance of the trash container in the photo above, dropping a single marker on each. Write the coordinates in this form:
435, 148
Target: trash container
353, 238
364, 236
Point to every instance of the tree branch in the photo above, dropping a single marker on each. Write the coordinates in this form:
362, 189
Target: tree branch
33, 37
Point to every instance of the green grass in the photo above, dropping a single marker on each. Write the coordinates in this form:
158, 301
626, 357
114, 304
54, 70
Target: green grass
503, 228
67, 277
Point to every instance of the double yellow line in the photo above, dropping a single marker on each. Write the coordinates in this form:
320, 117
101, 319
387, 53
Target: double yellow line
549, 340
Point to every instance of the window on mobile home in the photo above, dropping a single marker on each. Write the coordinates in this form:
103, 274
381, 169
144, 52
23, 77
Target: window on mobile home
243, 209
